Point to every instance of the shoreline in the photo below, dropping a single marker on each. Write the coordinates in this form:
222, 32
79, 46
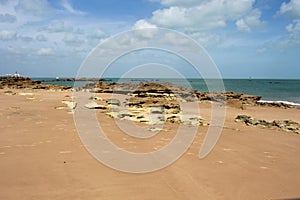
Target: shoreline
267, 85
22, 82
279, 102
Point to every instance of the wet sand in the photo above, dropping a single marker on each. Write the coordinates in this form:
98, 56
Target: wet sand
42, 157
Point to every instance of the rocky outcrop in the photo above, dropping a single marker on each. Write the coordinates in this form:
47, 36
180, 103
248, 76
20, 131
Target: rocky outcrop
228, 96
144, 90
284, 125
169, 92
148, 93
148, 117
276, 104
287, 125
144, 110
253, 122
21, 83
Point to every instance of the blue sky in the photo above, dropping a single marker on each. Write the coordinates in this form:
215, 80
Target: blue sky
257, 38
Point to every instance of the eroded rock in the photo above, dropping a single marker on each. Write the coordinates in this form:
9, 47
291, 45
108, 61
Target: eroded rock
284, 125
21, 83
115, 102
71, 104
8, 92
94, 105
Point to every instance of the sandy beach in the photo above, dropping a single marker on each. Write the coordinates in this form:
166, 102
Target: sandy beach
42, 157
149, 100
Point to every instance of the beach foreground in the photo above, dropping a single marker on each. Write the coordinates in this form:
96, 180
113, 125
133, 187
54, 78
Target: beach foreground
42, 157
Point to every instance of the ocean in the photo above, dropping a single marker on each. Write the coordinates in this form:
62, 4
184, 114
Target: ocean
282, 90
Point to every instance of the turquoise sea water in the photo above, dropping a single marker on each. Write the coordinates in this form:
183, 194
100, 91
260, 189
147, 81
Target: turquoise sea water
269, 89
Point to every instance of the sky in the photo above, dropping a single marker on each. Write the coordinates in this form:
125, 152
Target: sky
244, 38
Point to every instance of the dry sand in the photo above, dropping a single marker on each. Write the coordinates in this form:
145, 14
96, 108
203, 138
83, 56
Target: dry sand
42, 157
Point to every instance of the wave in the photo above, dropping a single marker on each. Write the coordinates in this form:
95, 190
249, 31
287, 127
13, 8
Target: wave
284, 102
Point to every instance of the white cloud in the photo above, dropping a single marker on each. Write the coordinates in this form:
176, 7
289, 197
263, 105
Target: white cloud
35, 7
98, 34
207, 15
292, 37
261, 49
171, 17
81, 49
175, 39
148, 32
17, 19
289, 27
45, 52
96, 37
25, 38
288, 41
291, 8
78, 31
41, 38
56, 26
66, 5
250, 21
7, 18
72, 39
183, 3
206, 39
294, 31
143, 24
242, 26
200, 19
8, 34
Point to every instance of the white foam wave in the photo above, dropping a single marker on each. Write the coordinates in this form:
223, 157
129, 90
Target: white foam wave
284, 102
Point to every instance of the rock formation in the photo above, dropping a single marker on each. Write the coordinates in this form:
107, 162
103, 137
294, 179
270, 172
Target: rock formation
145, 110
168, 91
21, 83
277, 104
228, 96
285, 125
143, 90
